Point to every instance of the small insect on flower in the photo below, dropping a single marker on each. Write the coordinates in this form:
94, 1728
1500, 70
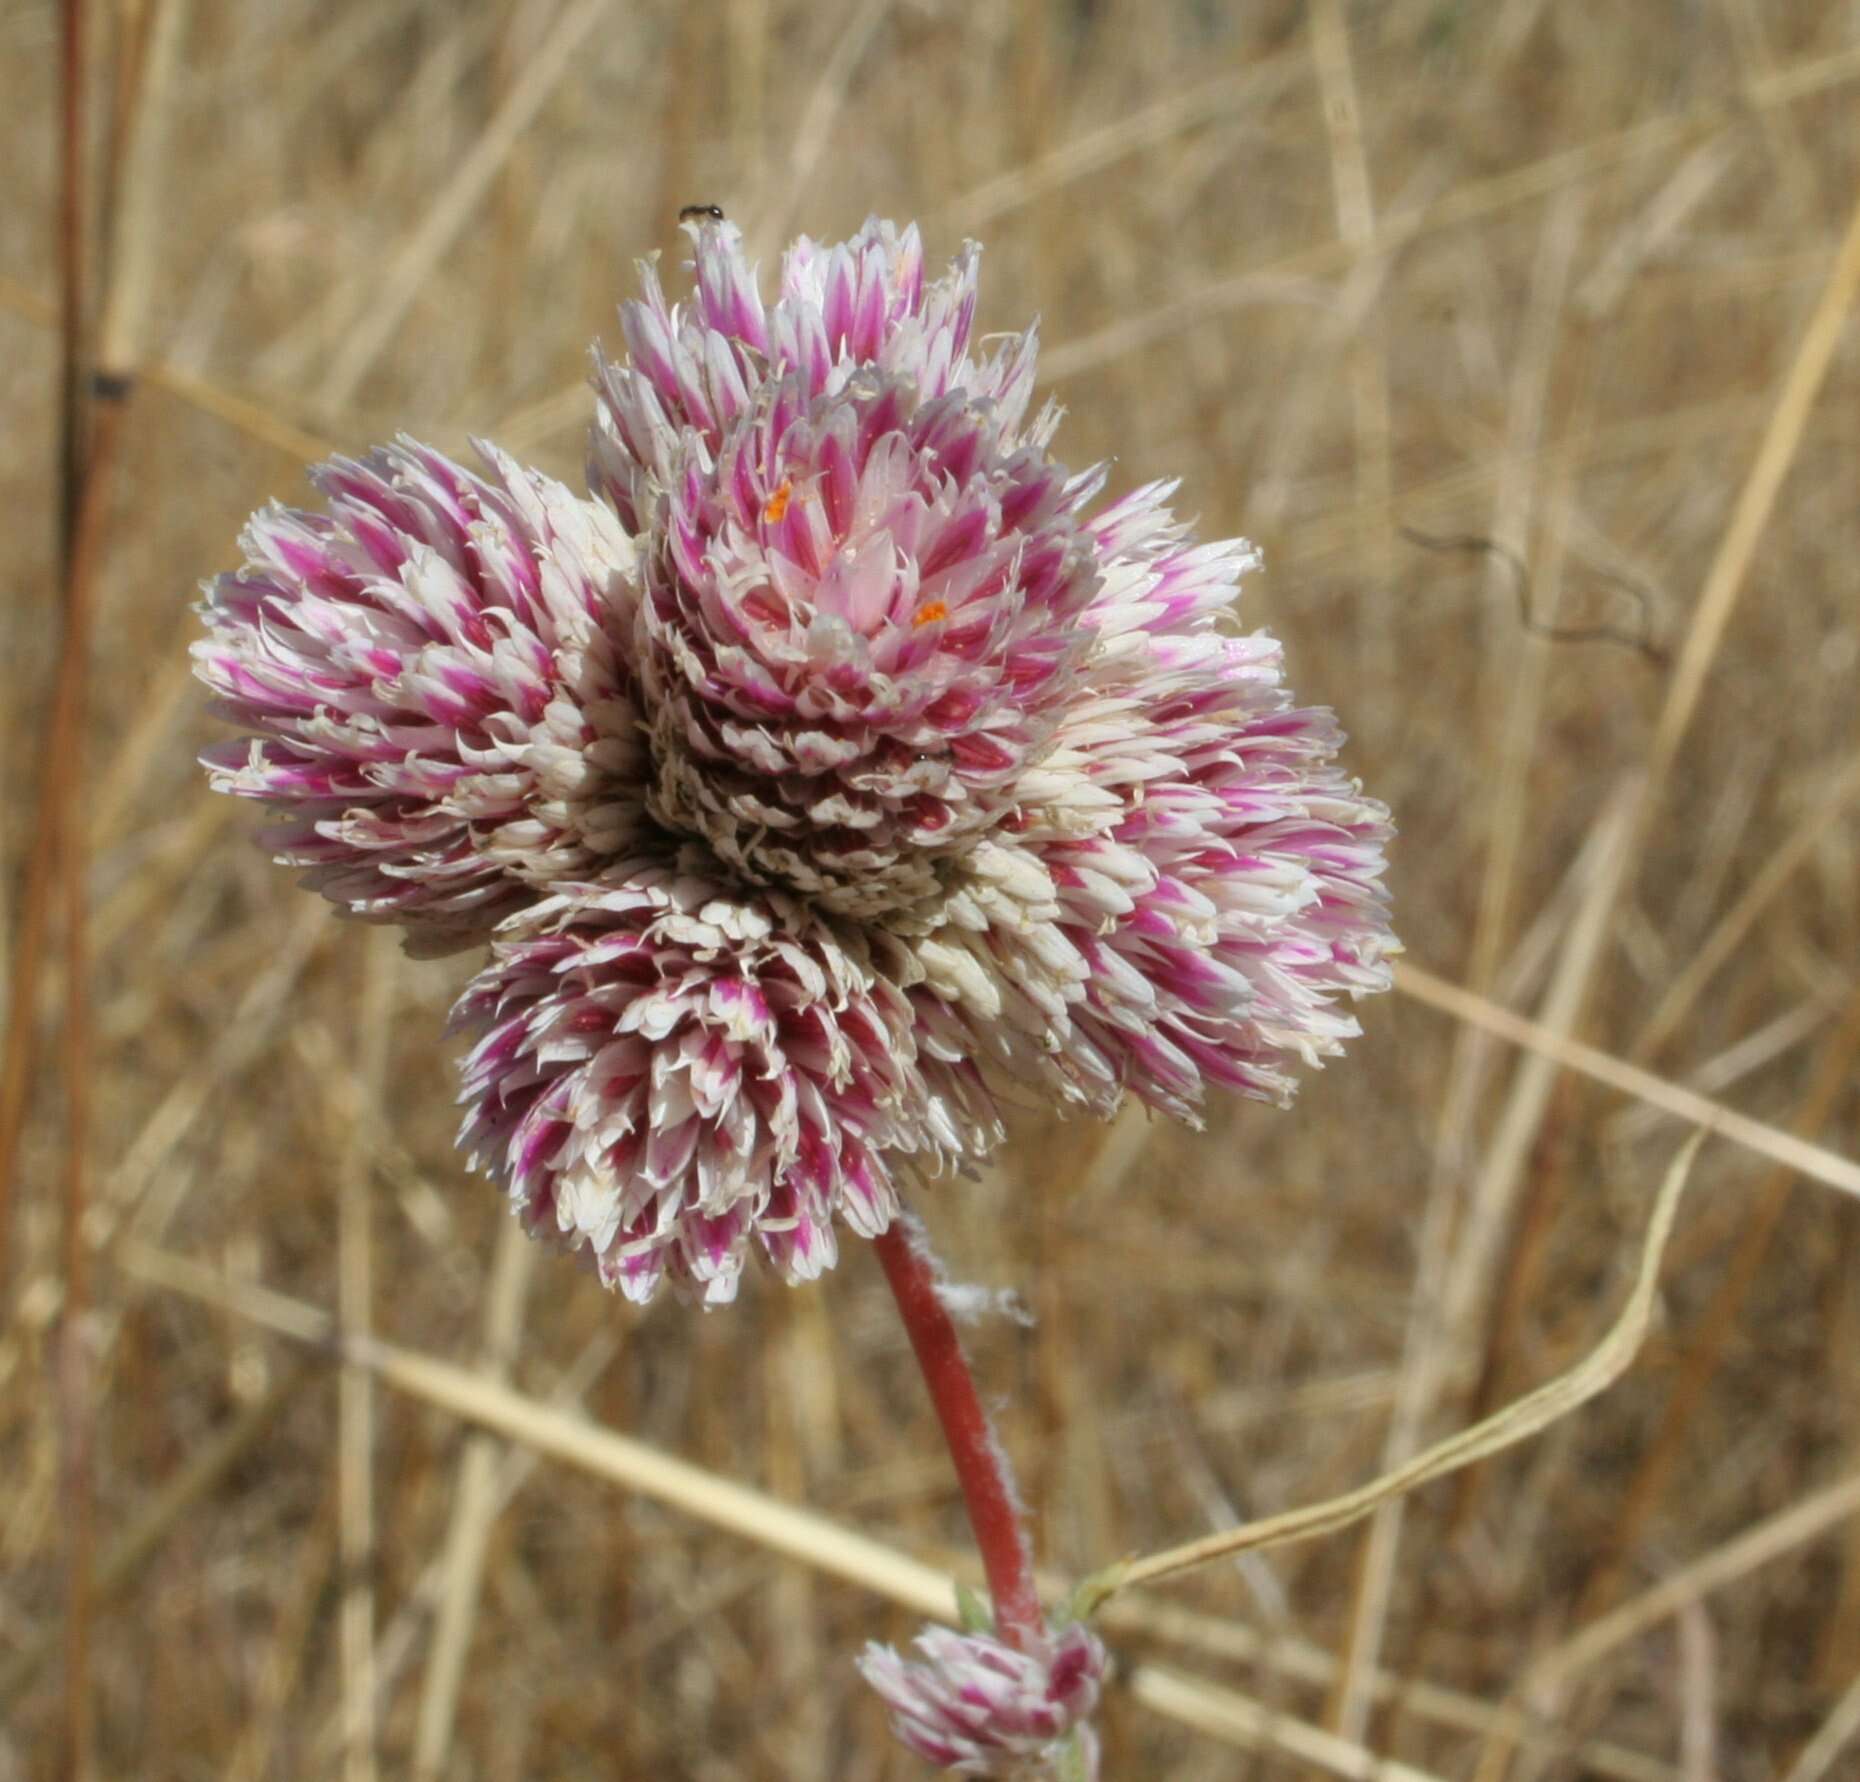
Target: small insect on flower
692, 213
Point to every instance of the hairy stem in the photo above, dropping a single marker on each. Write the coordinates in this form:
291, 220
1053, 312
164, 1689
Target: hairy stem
981, 1464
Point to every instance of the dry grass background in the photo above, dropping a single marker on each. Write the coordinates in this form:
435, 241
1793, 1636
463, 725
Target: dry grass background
1569, 277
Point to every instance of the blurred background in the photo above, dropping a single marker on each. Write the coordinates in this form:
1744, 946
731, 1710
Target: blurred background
1517, 334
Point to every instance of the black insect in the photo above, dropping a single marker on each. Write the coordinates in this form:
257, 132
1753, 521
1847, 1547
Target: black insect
708, 212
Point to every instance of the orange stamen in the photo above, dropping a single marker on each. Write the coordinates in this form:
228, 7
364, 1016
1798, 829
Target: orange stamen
929, 613
777, 504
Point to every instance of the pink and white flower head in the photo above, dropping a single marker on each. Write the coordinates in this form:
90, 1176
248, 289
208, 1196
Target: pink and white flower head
672, 1072
433, 675
976, 1706
862, 584
844, 763
859, 305
859, 626
894, 662
1209, 879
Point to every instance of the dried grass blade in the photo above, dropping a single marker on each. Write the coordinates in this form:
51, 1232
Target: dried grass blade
1817, 1162
1518, 1421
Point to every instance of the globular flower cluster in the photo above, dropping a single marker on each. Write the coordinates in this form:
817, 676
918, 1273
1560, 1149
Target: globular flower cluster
976, 1706
434, 678
841, 761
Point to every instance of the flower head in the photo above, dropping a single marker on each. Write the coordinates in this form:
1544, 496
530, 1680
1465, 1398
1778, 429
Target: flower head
857, 306
895, 663
671, 1073
862, 578
432, 677
1208, 879
976, 1706
860, 625
846, 762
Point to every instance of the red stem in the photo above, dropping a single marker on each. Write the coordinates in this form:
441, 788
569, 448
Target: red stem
981, 1465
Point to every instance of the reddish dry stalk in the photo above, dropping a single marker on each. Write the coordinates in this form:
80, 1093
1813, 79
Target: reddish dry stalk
981, 1467
62, 822
29, 940
59, 855
74, 1372
74, 1415
16, 1070
63, 826
71, 194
